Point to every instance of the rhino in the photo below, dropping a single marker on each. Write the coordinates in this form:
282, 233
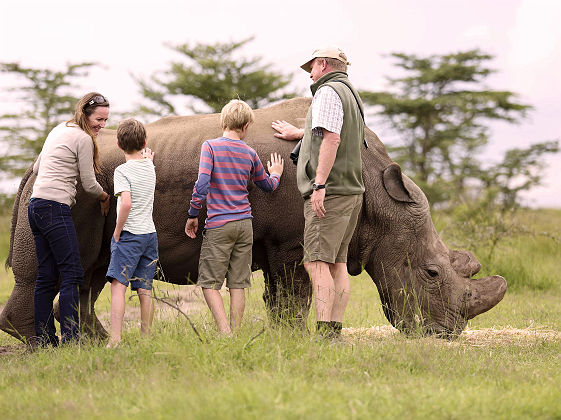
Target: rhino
423, 285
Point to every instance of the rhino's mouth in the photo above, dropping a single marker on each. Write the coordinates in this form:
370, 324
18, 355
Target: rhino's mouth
439, 331
433, 330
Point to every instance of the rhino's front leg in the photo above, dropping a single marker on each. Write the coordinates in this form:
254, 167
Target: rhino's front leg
89, 292
17, 316
89, 323
288, 294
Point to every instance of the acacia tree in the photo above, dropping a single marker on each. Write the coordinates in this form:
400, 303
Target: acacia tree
441, 108
520, 170
212, 75
45, 99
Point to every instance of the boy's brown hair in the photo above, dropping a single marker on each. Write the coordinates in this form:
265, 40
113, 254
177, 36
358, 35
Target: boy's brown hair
235, 115
131, 135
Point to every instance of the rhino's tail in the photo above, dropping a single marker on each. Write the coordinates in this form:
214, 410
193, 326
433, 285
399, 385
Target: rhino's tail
15, 212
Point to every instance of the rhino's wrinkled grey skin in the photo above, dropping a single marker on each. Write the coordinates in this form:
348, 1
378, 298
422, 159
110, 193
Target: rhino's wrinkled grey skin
423, 285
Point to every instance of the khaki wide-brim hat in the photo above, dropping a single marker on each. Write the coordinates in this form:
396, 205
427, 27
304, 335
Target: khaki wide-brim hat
327, 52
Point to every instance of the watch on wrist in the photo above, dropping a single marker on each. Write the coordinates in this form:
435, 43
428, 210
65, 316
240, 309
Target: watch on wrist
316, 187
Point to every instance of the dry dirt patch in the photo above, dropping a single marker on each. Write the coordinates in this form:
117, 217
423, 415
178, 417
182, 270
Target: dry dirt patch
508, 335
189, 299
473, 337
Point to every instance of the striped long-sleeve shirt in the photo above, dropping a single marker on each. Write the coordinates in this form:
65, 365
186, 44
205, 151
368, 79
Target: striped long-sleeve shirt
225, 168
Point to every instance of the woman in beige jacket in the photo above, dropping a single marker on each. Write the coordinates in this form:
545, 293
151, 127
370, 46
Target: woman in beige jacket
70, 151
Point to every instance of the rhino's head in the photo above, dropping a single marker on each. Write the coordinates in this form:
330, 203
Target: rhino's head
424, 286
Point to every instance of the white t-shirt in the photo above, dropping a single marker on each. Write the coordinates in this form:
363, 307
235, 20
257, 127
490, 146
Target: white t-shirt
138, 177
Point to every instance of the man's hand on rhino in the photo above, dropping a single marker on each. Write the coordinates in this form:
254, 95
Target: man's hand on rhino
317, 202
287, 131
191, 227
276, 164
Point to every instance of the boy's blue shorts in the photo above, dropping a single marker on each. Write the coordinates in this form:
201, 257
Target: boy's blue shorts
134, 259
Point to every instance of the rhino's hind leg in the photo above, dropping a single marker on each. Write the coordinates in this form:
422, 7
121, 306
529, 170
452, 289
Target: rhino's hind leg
287, 295
17, 316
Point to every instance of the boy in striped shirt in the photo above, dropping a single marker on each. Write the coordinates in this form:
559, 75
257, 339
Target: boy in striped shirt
134, 245
226, 166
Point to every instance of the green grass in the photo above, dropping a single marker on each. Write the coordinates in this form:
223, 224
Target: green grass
527, 255
285, 374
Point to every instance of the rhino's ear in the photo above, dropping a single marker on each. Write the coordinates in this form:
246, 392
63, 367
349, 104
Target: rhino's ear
393, 183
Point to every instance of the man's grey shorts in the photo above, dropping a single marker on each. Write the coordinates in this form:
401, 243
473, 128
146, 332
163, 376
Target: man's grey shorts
226, 253
327, 239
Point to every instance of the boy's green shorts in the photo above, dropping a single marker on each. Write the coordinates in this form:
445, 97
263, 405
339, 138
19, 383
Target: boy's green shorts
327, 239
226, 253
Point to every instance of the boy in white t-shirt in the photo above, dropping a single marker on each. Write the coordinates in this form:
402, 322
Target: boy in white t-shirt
134, 245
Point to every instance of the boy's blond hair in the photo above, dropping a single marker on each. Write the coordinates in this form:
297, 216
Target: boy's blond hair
235, 115
131, 135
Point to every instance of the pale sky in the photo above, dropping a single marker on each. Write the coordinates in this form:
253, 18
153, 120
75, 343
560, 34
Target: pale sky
127, 36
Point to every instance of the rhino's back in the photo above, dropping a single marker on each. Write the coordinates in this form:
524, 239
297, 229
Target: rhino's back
176, 142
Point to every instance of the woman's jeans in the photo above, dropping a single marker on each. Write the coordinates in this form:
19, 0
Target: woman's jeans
58, 254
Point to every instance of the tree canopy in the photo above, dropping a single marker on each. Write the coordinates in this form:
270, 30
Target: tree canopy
442, 108
209, 76
46, 98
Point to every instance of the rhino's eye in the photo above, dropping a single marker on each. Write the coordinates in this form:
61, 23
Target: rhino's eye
432, 273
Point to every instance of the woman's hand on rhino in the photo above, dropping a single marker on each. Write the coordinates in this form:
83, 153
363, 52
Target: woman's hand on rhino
287, 131
191, 227
276, 164
317, 202
104, 205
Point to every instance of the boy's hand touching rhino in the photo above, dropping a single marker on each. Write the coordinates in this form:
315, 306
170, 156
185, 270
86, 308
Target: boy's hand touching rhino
276, 164
147, 153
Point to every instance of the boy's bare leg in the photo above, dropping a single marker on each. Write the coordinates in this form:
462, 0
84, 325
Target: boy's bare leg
322, 288
237, 307
216, 305
342, 290
118, 291
146, 311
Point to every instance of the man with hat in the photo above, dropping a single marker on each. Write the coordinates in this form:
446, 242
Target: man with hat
329, 177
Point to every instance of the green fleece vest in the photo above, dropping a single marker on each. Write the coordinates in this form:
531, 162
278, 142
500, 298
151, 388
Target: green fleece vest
345, 177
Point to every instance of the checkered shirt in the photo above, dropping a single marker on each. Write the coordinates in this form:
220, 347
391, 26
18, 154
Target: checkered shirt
327, 111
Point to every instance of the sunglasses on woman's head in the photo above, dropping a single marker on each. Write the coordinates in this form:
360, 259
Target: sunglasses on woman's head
98, 99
